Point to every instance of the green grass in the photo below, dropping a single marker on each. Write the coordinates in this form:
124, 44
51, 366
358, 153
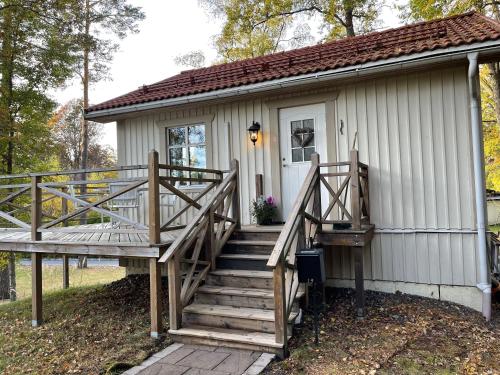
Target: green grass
86, 330
52, 277
495, 228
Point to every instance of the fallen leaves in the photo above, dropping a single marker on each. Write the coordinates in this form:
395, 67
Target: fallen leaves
401, 334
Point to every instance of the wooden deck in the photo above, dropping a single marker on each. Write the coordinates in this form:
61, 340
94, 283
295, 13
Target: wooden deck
92, 239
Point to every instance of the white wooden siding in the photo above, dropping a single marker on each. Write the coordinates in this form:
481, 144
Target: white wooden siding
413, 131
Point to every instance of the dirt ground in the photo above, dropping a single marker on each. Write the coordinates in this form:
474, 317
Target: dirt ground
86, 330
400, 335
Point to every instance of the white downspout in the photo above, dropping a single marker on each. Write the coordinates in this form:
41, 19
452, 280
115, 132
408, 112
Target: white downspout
479, 182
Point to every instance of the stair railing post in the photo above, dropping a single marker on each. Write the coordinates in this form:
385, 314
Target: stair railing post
317, 192
210, 241
280, 317
354, 182
174, 293
154, 198
235, 166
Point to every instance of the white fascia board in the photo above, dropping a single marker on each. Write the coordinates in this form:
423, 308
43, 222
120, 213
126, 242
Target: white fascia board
392, 64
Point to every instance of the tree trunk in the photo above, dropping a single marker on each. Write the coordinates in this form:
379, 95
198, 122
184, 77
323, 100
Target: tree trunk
12, 277
84, 135
7, 125
349, 20
494, 69
4, 283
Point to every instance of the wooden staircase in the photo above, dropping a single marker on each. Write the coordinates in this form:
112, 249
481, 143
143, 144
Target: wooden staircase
235, 306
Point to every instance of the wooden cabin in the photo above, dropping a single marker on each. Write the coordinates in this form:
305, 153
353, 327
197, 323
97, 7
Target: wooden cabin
379, 133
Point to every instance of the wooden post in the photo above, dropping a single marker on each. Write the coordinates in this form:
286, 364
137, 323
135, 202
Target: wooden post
154, 198
280, 316
155, 297
235, 166
65, 260
360, 287
174, 293
210, 240
36, 208
317, 191
36, 292
259, 186
354, 182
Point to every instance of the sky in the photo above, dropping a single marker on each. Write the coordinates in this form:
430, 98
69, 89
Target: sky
171, 28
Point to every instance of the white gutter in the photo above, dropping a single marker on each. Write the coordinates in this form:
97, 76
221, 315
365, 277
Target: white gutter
479, 181
398, 63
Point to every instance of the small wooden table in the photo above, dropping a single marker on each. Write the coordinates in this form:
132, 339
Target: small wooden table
357, 240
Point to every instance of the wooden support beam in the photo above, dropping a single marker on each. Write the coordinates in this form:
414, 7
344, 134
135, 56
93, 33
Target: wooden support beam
174, 293
36, 208
154, 198
360, 287
259, 186
36, 293
65, 260
155, 297
235, 166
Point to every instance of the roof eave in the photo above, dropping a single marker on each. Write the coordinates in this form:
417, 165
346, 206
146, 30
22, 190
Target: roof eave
393, 64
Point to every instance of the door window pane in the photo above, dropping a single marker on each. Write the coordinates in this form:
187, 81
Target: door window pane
297, 155
308, 151
302, 140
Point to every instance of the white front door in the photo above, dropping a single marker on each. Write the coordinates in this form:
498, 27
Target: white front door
302, 133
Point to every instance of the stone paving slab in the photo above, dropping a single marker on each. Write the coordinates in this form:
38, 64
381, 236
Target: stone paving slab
179, 359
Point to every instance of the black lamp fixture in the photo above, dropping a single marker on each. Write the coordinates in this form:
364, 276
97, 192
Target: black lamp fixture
254, 131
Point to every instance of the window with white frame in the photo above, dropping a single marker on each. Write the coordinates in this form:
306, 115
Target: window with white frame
186, 146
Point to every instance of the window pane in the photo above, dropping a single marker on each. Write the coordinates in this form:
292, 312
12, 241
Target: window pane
308, 151
196, 134
177, 156
197, 157
176, 136
297, 155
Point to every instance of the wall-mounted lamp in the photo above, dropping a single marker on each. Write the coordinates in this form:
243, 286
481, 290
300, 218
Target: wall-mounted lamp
254, 132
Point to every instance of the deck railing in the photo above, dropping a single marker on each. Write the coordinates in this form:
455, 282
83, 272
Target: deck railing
192, 255
346, 184
65, 202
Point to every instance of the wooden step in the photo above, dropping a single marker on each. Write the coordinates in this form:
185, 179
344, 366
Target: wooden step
240, 297
240, 278
244, 318
257, 262
257, 233
248, 247
229, 338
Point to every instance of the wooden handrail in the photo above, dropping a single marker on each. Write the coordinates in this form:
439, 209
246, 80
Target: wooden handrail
196, 220
290, 224
208, 231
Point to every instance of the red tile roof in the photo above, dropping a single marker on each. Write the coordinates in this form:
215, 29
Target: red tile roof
462, 29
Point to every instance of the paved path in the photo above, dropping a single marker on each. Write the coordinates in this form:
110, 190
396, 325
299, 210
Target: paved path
179, 359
